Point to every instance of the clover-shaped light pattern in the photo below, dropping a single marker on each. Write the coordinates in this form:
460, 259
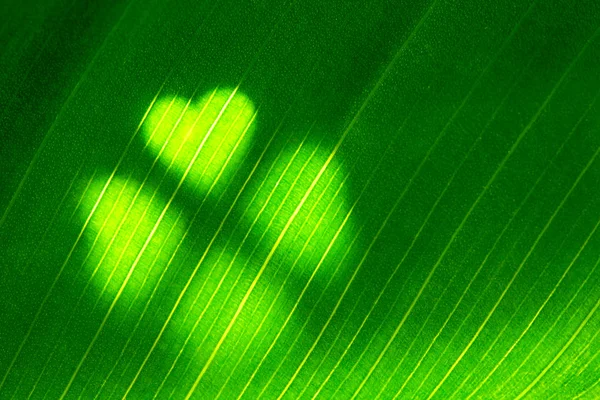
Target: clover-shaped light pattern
241, 290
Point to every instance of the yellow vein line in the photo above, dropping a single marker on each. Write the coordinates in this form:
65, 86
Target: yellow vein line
309, 191
243, 214
480, 268
506, 42
147, 241
398, 201
85, 260
177, 189
108, 182
180, 214
527, 128
273, 218
160, 251
84, 194
200, 147
545, 302
242, 217
495, 340
248, 178
284, 231
121, 223
325, 254
564, 309
276, 245
256, 193
48, 134
562, 350
433, 207
350, 126
418, 234
126, 215
193, 274
367, 252
53, 219
339, 302
150, 201
281, 264
384, 155
232, 262
492, 61
408, 251
169, 263
217, 233
43, 239
580, 355
459, 229
341, 261
114, 206
592, 386
112, 175
89, 217
490, 280
373, 174
297, 303
210, 190
213, 184
191, 163
539, 311
198, 117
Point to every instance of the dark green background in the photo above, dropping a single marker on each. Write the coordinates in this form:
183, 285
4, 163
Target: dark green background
506, 92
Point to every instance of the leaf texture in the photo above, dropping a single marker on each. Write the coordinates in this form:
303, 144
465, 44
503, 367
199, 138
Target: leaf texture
285, 199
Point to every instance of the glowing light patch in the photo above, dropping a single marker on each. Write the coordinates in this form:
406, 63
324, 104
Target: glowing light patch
122, 222
133, 237
219, 125
322, 213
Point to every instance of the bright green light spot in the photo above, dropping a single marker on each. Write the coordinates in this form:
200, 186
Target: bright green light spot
124, 219
321, 215
200, 143
208, 125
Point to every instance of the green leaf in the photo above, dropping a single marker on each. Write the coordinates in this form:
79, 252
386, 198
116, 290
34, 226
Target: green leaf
269, 199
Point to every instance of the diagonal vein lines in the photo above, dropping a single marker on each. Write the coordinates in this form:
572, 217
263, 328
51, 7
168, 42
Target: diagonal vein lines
566, 271
169, 263
232, 262
132, 202
444, 129
563, 349
79, 236
165, 269
565, 308
48, 134
463, 222
527, 128
282, 285
148, 239
484, 262
338, 303
37, 155
303, 200
316, 269
179, 298
197, 320
350, 126
261, 270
